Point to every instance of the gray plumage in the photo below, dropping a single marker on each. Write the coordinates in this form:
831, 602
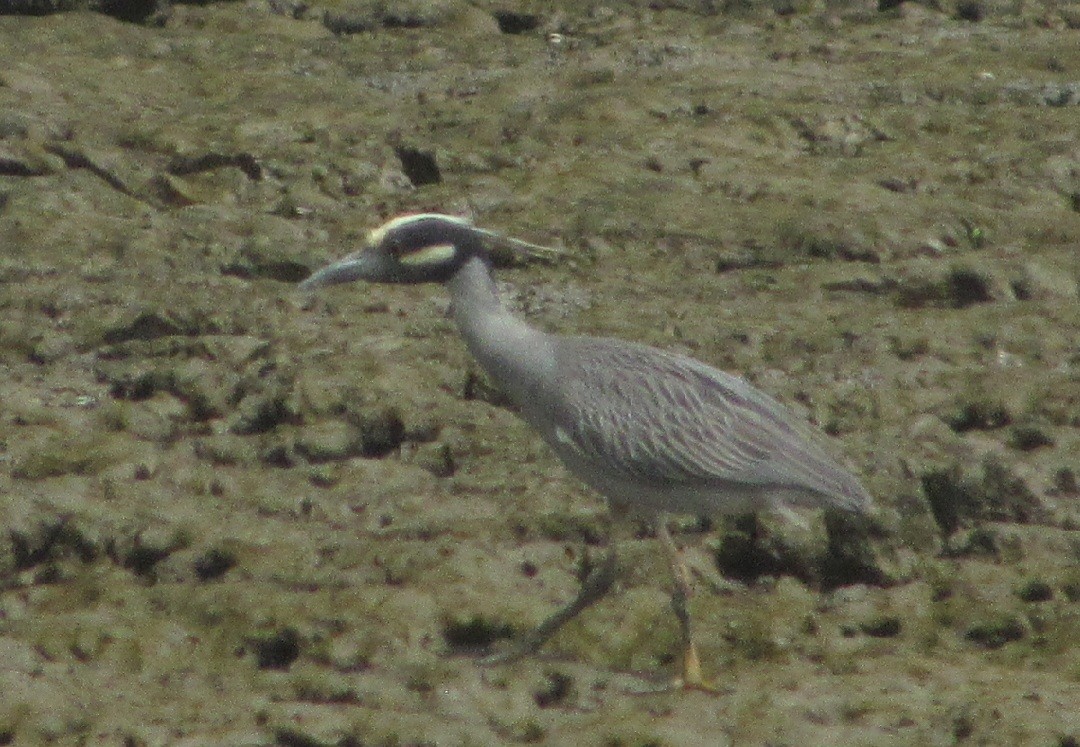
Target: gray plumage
690, 438
652, 431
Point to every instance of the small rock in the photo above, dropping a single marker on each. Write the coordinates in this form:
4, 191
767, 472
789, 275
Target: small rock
149, 547
953, 287
996, 632
975, 412
52, 347
887, 626
1038, 282
1035, 590
436, 458
226, 449
276, 650
145, 325
259, 413
328, 441
213, 564
1029, 438
755, 546
265, 257
28, 161
380, 429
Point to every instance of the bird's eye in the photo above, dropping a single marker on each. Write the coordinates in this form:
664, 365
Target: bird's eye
393, 246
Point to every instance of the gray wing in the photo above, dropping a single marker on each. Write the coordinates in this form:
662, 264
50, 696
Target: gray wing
654, 417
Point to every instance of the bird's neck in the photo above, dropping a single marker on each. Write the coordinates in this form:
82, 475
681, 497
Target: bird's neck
513, 353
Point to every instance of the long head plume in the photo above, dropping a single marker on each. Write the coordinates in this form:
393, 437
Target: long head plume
426, 247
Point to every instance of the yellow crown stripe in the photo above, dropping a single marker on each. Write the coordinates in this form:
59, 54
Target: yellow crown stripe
376, 235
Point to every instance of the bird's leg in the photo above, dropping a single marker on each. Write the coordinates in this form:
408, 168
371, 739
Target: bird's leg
594, 587
692, 677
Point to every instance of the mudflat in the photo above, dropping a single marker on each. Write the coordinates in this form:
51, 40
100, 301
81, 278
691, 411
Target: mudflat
233, 515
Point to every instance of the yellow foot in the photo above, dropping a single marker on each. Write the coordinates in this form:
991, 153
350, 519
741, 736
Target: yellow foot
692, 678
699, 684
678, 684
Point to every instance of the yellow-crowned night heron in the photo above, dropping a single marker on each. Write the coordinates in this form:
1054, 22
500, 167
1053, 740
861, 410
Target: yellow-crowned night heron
652, 431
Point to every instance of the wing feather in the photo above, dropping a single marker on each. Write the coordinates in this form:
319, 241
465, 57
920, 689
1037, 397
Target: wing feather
653, 417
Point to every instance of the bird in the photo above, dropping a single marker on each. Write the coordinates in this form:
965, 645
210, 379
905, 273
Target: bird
654, 432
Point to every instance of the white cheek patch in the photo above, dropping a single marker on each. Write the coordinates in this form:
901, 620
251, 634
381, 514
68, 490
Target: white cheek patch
434, 254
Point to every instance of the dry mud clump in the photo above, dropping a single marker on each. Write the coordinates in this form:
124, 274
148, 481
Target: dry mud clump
232, 518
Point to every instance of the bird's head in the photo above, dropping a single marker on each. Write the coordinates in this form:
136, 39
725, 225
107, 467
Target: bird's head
425, 248
420, 248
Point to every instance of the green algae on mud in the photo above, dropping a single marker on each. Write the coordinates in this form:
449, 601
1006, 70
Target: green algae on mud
231, 518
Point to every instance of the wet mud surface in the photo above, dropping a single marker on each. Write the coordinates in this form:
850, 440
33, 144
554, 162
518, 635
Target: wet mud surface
232, 516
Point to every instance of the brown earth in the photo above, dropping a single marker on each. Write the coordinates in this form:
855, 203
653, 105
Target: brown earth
230, 517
